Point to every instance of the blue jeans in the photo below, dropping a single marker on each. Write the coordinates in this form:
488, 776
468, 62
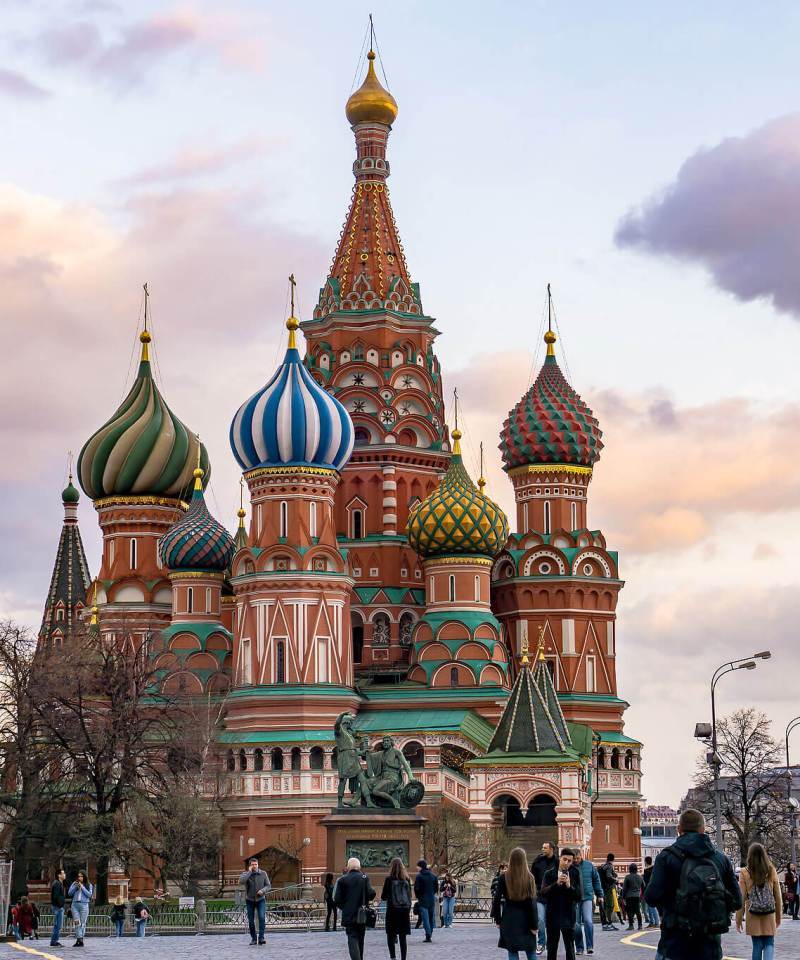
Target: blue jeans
140, 927
428, 917
58, 920
651, 914
542, 935
80, 914
448, 909
514, 954
119, 926
256, 907
584, 927
763, 948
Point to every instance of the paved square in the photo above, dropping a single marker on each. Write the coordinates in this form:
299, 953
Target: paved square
463, 941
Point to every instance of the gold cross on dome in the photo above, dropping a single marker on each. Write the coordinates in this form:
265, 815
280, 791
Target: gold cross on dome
540, 651
524, 660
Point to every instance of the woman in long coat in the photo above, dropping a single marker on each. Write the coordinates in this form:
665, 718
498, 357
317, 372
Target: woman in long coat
758, 878
397, 895
514, 907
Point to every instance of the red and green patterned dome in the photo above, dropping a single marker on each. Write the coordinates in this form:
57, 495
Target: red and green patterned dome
550, 424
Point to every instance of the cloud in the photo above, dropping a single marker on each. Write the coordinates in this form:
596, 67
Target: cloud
18, 86
197, 161
734, 209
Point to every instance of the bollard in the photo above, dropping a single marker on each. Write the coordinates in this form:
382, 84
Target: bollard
200, 909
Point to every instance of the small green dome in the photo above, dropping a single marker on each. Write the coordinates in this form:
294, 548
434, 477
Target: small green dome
70, 494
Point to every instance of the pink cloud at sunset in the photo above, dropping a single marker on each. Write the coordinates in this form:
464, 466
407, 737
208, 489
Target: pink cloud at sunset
17, 85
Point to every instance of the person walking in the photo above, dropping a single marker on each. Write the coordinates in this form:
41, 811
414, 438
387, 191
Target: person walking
650, 913
141, 915
81, 892
118, 917
25, 919
761, 908
256, 885
426, 886
448, 888
792, 883
590, 888
58, 898
561, 890
353, 893
514, 907
608, 881
501, 869
695, 890
632, 889
330, 906
545, 861
396, 894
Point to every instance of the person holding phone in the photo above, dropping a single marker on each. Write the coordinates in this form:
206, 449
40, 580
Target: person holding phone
256, 885
562, 891
81, 892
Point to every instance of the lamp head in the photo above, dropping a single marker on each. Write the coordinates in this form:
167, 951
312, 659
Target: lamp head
763, 655
750, 665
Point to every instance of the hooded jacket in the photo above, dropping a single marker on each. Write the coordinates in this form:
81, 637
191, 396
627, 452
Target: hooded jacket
660, 892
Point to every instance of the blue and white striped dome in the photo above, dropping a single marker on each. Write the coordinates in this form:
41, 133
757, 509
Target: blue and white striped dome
292, 421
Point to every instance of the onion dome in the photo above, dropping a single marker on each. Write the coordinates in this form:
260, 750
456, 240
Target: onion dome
371, 103
457, 518
550, 424
144, 449
197, 541
292, 421
70, 494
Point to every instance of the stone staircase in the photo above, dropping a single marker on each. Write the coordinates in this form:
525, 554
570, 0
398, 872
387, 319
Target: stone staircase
532, 838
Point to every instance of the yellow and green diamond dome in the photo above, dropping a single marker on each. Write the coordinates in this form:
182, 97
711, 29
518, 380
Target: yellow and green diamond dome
457, 518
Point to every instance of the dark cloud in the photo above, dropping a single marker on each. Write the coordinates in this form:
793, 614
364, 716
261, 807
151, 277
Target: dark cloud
735, 210
14, 84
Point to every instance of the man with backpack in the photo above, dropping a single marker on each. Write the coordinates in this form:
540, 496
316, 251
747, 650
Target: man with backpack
608, 881
694, 887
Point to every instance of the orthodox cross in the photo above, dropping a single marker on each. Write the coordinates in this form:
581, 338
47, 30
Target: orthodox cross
292, 285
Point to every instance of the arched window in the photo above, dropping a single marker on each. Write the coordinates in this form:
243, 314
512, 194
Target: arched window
258, 759
477, 589
547, 516
452, 587
406, 629
189, 600
381, 631
312, 519
133, 553
358, 524
208, 599
601, 757
415, 754
615, 759
284, 519
317, 758
629, 759
357, 629
453, 676
361, 437
573, 515
242, 760
280, 661
230, 761
276, 758
295, 758
60, 614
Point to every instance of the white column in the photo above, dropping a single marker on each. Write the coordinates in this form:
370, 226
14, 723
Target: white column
389, 499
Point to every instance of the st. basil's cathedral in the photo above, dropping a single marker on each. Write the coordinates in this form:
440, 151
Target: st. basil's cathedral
374, 575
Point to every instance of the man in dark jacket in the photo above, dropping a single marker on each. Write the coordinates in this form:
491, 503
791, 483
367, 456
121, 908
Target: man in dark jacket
677, 943
426, 886
608, 881
546, 860
352, 892
651, 914
561, 892
256, 886
58, 897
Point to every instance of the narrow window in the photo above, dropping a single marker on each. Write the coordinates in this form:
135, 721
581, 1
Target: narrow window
246, 666
258, 759
453, 676
590, 675
208, 599
284, 519
525, 527
190, 599
133, 553
312, 519
322, 660
573, 515
452, 581
547, 516
358, 524
280, 662
431, 591
111, 543
477, 589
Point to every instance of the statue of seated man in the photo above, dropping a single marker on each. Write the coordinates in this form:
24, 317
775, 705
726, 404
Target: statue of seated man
388, 767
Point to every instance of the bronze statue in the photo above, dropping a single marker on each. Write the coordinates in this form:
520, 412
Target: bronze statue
348, 763
387, 766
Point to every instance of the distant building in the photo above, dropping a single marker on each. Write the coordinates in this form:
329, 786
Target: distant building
659, 829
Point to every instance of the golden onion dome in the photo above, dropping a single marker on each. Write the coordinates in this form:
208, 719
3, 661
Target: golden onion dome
371, 103
457, 518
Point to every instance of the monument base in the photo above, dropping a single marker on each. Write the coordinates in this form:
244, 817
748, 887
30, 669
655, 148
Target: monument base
376, 836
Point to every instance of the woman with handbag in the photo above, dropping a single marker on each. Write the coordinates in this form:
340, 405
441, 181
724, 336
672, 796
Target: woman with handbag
353, 895
514, 908
761, 902
397, 894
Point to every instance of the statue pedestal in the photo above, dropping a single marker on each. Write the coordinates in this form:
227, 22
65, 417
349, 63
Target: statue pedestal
376, 837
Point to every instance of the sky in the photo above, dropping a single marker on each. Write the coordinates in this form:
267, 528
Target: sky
643, 159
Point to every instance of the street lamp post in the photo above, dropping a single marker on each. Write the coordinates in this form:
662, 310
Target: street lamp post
746, 663
791, 725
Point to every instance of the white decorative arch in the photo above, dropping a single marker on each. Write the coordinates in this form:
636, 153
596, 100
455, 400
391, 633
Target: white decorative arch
591, 555
545, 555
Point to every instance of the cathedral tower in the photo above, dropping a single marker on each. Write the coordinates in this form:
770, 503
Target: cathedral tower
371, 345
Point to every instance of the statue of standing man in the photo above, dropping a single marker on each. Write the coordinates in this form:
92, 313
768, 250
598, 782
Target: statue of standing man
348, 763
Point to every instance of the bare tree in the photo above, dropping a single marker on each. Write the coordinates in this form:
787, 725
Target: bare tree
451, 841
753, 805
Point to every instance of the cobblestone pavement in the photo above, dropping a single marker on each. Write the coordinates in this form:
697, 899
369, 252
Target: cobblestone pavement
462, 942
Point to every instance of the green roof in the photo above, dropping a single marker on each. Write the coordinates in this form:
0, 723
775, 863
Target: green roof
592, 698
275, 736
470, 618
411, 690
291, 690
466, 722
581, 737
614, 736
532, 722
541, 758
394, 595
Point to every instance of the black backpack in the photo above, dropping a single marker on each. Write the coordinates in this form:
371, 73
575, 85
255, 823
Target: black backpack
701, 901
400, 895
607, 878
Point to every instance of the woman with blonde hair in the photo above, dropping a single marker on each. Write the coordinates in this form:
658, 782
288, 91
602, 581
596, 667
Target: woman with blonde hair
761, 902
514, 907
